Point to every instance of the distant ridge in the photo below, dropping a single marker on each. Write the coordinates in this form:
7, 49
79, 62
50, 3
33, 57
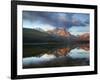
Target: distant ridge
58, 35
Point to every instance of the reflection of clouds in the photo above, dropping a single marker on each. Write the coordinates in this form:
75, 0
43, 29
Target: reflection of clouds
77, 57
79, 53
36, 60
47, 57
66, 56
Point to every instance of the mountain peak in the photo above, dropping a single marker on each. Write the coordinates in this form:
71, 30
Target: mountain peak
84, 37
60, 32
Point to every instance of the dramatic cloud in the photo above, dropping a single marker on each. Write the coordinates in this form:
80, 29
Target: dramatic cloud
56, 19
37, 19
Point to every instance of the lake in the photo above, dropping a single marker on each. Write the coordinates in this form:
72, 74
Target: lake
55, 55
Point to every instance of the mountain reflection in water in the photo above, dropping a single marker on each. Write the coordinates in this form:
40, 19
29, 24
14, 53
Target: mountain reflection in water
39, 56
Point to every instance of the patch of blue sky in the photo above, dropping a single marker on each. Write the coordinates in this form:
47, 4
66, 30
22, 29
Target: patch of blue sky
78, 30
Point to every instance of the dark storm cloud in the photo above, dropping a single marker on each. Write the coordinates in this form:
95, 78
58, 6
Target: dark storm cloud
57, 19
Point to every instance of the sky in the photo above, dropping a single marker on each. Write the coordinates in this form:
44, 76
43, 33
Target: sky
75, 23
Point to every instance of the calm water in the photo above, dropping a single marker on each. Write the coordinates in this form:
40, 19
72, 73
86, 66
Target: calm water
44, 55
